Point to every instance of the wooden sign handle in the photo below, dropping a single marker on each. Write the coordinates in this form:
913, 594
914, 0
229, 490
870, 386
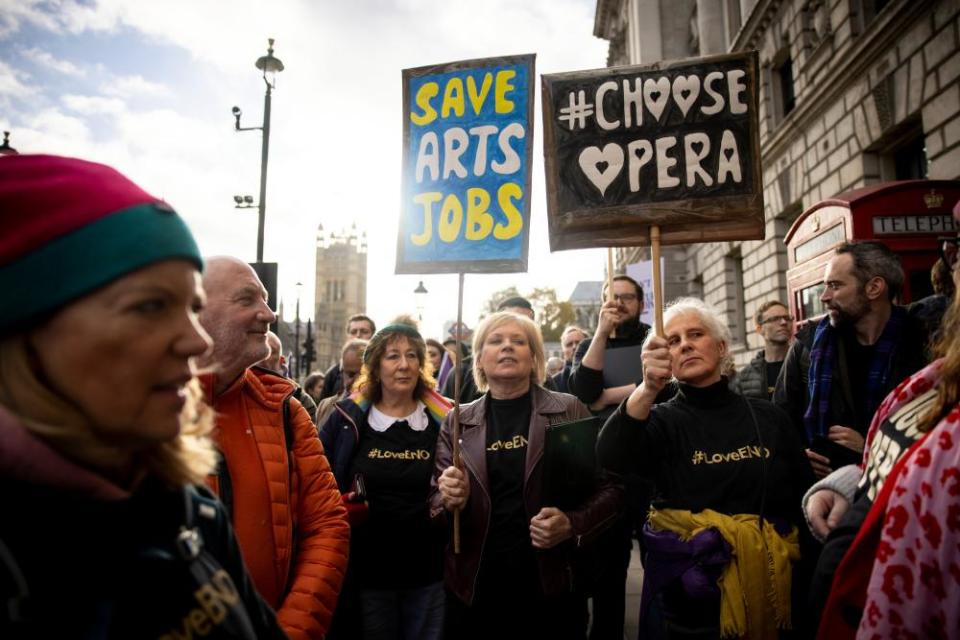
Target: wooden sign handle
657, 292
456, 411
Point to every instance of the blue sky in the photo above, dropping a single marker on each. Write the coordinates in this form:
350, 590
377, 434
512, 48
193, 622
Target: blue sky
147, 87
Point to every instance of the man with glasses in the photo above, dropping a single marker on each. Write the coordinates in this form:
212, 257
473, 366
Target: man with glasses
619, 327
759, 378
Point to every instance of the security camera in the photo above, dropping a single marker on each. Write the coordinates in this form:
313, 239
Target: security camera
236, 111
238, 199
248, 199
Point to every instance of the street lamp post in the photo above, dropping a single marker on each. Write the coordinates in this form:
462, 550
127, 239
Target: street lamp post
308, 352
420, 298
270, 66
296, 335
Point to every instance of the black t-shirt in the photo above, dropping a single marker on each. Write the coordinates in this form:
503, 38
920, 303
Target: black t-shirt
508, 426
859, 357
773, 370
701, 450
397, 547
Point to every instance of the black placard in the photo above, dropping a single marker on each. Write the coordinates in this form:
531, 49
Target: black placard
674, 144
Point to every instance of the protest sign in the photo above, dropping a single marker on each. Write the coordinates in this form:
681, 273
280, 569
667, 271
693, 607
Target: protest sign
674, 145
467, 148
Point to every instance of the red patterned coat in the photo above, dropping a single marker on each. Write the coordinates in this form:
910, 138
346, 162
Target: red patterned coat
903, 569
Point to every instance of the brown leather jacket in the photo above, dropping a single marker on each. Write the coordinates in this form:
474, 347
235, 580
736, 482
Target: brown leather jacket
592, 518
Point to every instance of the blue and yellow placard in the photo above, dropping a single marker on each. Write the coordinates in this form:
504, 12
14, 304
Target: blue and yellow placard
467, 148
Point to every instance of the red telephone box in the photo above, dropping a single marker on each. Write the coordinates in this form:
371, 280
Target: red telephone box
908, 216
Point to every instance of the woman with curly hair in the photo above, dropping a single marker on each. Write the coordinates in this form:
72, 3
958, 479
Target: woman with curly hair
107, 531
380, 441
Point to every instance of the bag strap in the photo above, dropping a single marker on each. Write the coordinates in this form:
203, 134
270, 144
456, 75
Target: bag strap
16, 605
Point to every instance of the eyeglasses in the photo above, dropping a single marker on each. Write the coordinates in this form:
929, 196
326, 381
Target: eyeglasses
624, 297
949, 248
773, 319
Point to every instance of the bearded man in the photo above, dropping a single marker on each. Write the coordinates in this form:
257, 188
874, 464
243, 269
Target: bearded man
838, 371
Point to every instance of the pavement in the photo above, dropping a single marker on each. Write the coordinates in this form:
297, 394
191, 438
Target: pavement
631, 622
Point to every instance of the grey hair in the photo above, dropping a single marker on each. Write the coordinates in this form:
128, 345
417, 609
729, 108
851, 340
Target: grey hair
712, 320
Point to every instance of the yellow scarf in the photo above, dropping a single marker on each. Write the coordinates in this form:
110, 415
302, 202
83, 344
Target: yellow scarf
755, 585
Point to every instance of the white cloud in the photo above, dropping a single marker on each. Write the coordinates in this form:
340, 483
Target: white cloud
13, 13
46, 59
133, 86
11, 83
336, 135
94, 105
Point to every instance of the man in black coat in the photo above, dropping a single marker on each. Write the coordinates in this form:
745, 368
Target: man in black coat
759, 377
619, 326
855, 355
359, 327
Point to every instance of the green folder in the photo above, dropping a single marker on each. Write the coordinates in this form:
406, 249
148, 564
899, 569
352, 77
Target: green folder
570, 471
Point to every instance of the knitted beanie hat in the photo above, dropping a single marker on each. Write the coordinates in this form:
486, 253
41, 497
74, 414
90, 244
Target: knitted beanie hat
68, 227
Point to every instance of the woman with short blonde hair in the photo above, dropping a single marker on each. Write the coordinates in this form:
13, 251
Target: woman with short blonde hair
532, 334
518, 548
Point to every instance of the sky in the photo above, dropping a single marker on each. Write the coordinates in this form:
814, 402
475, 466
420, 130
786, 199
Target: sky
147, 87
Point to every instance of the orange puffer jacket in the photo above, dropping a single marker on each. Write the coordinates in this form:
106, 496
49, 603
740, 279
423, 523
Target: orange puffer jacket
290, 523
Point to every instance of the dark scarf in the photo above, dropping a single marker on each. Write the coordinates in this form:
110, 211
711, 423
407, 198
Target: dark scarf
822, 363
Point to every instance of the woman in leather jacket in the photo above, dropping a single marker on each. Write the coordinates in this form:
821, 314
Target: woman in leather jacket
517, 553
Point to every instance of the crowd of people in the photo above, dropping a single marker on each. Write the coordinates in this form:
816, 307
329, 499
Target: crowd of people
164, 477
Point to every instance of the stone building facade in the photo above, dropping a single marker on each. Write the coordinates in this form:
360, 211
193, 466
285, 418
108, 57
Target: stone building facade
852, 92
341, 290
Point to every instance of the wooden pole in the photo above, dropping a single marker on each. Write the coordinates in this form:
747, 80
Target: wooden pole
456, 410
657, 292
609, 274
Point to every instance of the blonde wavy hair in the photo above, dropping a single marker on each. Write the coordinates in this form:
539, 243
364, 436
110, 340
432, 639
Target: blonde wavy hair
534, 339
947, 347
186, 459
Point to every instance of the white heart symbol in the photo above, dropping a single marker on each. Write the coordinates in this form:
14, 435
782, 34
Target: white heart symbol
655, 95
591, 157
689, 85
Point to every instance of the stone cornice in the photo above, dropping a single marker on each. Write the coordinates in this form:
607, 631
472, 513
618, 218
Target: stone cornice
879, 36
606, 9
755, 24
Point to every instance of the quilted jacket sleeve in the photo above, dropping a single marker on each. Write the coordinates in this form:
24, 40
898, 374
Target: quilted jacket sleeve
322, 538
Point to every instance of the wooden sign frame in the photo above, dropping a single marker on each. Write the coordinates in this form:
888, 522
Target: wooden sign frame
581, 215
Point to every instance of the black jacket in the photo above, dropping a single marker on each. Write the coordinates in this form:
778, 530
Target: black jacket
331, 383
752, 379
116, 568
587, 383
792, 392
588, 521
